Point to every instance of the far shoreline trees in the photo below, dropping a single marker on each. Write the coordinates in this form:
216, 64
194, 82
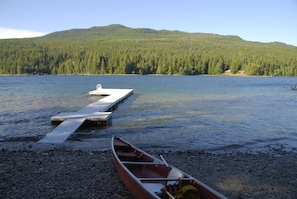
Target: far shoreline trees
132, 51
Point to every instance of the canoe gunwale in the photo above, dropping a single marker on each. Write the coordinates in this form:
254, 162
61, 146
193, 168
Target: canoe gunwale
140, 182
131, 175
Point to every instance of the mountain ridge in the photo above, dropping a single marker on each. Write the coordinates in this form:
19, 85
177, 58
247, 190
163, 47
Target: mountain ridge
117, 49
124, 31
121, 30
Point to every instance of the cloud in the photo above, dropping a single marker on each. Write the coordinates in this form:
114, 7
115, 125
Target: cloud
8, 33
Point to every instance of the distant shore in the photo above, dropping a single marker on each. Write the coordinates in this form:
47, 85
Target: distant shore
61, 172
225, 73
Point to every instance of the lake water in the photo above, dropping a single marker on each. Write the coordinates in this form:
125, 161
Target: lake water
165, 112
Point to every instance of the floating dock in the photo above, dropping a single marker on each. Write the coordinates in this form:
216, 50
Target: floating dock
98, 112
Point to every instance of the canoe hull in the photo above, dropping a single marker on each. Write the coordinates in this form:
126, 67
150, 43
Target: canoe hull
145, 175
134, 186
131, 184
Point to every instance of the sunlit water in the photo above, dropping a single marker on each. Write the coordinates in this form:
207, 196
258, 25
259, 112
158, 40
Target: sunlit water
165, 112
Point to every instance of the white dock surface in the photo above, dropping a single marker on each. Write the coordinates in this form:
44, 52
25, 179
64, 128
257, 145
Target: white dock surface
63, 131
95, 116
93, 112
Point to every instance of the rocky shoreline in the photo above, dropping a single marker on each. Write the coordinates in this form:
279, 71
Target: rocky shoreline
75, 173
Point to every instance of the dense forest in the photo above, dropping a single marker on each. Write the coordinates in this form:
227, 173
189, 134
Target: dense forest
117, 49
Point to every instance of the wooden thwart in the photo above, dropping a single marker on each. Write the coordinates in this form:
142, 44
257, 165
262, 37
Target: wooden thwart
142, 163
165, 179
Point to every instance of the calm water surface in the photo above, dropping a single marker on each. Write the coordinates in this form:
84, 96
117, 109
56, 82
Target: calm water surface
165, 112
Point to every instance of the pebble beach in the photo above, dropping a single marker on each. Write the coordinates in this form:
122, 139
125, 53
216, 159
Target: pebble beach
61, 172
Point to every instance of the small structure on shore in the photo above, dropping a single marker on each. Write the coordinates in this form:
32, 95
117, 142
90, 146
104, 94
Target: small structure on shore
294, 87
98, 113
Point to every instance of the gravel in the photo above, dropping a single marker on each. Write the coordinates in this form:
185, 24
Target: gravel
76, 173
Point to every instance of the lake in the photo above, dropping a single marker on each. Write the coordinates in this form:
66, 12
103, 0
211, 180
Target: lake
164, 113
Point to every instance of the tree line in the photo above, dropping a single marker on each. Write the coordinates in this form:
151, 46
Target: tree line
146, 52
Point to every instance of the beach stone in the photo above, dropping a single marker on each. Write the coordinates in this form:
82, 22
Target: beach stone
67, 173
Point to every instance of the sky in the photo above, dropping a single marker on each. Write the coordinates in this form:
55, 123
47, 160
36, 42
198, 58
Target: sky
252, 20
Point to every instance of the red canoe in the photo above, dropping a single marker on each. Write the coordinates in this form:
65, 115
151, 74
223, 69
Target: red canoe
146, 176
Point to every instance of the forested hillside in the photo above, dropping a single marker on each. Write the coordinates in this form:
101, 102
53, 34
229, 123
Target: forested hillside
117, 49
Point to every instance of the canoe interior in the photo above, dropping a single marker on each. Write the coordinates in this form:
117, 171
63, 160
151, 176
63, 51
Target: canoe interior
152, 171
